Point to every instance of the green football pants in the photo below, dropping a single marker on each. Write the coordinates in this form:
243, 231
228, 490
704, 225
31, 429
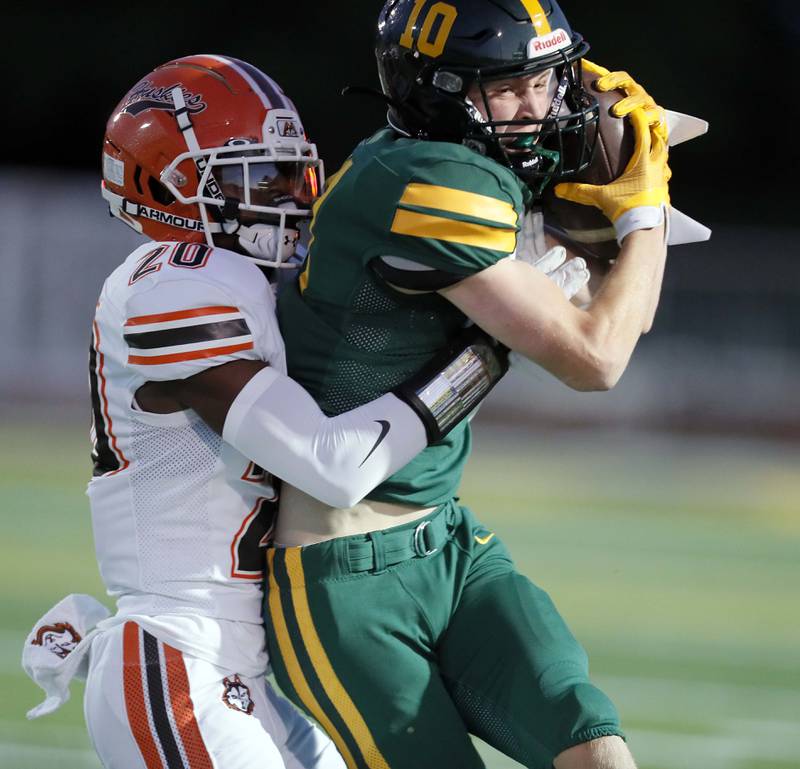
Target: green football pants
402, 642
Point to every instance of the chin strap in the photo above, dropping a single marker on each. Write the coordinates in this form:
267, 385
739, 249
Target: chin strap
129, 211
120, 207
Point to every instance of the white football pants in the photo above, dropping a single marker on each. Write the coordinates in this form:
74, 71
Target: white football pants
149, 706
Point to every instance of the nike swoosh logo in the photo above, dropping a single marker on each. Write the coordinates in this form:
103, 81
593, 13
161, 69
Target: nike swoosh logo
484, 540
384, 432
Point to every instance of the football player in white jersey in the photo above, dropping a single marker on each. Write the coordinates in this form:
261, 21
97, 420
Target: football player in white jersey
194, 418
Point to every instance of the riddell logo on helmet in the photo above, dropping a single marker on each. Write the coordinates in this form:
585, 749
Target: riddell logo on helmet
553, 41
146, 96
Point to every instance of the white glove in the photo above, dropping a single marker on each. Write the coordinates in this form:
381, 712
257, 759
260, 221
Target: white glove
570, 276
530, 241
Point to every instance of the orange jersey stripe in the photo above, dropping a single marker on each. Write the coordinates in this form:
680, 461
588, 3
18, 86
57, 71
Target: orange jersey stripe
141, 320
134, 697
176, 357
102, 391
183, 710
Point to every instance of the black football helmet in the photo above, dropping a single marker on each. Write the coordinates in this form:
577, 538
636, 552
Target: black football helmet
431, 54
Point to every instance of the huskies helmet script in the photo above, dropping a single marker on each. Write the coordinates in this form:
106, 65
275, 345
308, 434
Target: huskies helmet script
209, 149
430, 55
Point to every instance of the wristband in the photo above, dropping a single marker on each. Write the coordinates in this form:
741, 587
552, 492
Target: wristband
639, 218
453, 383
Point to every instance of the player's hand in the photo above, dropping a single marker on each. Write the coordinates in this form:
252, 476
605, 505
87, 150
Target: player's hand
638, 199
569, 275
636, 97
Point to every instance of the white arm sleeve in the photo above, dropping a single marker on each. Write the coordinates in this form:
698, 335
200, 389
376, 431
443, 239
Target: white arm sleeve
274, 422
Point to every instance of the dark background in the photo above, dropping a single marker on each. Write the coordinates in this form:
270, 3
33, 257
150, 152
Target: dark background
725, 350
729, 62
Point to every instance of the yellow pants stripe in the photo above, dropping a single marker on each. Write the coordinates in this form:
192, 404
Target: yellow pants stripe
466, 233
459, 202
293, 664
330, 681
538, 17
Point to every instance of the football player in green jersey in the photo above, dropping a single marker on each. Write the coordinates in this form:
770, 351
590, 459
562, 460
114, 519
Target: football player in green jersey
400, 623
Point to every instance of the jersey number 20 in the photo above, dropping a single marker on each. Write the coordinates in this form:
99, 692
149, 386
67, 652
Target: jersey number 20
191, 256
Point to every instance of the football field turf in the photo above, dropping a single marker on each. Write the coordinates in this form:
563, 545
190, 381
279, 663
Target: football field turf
676, 561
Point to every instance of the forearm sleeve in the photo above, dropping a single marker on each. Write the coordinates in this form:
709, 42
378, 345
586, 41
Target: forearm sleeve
452, 385
274, 422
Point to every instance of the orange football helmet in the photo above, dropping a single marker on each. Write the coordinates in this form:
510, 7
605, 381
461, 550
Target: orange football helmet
209, 144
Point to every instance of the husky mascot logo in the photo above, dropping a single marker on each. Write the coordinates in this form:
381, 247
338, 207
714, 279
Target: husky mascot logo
146, 95
236, 695
60, 638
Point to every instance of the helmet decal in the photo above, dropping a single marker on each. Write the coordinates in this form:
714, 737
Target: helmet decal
113, 169
146, 96
441, 17
270, 92
545, 44
538, 16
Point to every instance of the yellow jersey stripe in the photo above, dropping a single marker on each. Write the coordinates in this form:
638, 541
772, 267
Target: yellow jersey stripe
466, 233
293, 664
538, 17
322, 665
459, 202
332, 182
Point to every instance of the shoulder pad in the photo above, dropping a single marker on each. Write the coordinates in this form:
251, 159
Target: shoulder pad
186, 309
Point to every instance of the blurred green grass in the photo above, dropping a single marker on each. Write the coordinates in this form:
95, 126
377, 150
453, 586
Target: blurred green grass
675, 560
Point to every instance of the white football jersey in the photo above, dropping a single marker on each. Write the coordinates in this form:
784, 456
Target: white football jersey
180, 517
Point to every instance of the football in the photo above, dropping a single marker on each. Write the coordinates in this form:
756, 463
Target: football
586, 226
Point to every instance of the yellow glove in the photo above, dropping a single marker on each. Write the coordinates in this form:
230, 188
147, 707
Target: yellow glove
637, 199
636, 97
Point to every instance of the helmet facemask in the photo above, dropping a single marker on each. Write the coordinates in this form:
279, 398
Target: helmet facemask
255, 191
265, 203
557, 145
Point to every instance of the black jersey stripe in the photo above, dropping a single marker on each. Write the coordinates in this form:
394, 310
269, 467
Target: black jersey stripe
103, 458
158, 703
414, 280
207, 332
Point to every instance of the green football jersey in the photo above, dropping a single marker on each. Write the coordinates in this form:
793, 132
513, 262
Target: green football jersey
351, 337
